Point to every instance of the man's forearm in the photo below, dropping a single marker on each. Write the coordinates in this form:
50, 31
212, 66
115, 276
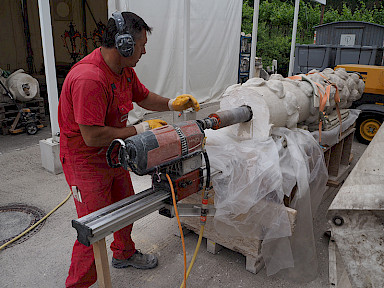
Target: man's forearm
154, 102
100, 136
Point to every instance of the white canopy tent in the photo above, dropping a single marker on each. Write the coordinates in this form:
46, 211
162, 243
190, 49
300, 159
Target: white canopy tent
202, 63
194, 46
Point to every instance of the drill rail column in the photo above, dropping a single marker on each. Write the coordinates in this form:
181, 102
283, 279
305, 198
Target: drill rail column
99, 224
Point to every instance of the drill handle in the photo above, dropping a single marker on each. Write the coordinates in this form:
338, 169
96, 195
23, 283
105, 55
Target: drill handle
110, 150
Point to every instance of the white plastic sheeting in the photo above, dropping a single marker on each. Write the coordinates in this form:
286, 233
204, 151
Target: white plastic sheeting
213, 55
262, 161
250, 191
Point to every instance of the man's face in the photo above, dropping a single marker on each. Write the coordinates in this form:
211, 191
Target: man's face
139, 50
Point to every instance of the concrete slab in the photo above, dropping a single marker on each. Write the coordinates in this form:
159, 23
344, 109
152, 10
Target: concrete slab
43, 260
356, 218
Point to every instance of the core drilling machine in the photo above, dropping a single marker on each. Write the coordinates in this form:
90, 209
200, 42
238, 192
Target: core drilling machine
172, 154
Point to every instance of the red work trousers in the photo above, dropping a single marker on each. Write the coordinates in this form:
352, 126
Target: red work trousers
98, 186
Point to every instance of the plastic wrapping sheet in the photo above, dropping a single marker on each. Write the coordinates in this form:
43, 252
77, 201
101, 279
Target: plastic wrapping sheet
248, 197
249, 194
331, 137
303, 161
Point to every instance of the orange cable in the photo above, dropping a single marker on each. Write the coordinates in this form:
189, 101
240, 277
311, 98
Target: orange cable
181, 229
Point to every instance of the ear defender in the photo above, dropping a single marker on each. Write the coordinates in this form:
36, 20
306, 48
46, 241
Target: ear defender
123, 41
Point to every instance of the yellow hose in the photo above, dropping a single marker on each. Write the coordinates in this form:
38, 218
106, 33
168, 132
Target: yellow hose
179, 223
195, 254
34, 226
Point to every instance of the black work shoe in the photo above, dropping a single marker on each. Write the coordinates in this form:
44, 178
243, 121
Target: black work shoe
137, 260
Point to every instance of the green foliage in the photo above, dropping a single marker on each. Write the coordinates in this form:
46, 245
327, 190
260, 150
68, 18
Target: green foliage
276, 20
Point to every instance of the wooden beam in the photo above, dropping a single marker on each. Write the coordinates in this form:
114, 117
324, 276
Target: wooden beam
102, 265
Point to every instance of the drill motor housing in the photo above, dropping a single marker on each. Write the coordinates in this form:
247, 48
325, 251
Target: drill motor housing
175, 150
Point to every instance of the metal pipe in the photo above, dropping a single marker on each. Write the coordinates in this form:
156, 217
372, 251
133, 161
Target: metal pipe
230, 117
293, 42
83, 2
30, 63
187, 17
254, 38
49, 65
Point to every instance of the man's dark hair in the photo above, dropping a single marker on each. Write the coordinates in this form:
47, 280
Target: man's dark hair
133, 24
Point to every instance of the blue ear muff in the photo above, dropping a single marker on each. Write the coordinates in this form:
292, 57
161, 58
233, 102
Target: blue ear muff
123, 41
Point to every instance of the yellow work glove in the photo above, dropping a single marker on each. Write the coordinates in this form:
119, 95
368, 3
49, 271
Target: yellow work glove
156, 123
183, 102
148, 125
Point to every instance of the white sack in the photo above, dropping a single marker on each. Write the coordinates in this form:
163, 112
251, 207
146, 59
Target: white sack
22, 86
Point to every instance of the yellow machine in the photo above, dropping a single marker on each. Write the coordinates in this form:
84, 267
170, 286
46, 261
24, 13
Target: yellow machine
371, 103
25, 121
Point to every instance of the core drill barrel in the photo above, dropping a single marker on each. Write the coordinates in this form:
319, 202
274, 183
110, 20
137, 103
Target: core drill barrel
230, 117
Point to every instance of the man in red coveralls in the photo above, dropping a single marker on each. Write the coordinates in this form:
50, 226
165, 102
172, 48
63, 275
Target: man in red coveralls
93, 109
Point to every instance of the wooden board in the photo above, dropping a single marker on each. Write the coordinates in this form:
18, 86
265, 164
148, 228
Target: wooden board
338, 158
102, 264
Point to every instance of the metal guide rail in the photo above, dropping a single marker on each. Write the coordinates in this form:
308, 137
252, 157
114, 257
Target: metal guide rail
99, 224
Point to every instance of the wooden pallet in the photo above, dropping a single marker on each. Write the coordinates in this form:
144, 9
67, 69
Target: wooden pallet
9, 111
338, 158
250, 248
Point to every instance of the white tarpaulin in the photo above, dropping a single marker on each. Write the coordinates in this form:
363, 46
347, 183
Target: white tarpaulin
213, 57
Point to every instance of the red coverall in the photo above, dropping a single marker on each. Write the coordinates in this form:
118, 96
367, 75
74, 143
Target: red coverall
93, 94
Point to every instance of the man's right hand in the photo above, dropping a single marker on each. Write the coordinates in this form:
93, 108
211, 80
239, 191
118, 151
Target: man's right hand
156, 123
148, 125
